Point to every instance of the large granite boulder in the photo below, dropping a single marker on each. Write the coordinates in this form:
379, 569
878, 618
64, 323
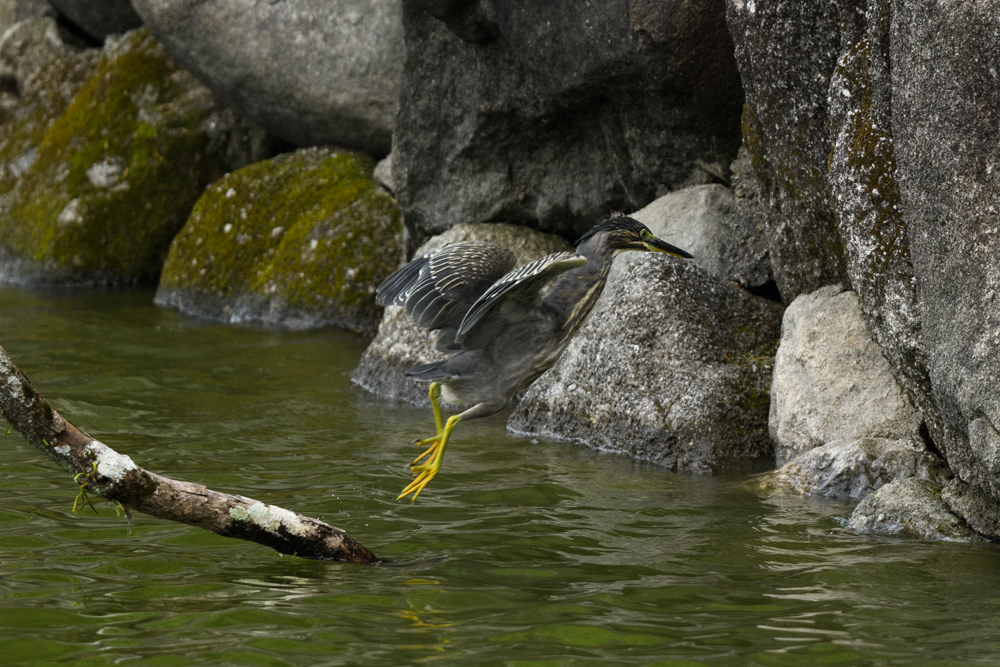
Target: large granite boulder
310, 71
852, 469
909, 508
870, 212
100, 19
553, 114
786, 52
673, 367
102, 155
945, 115
703, 220
401, 344
830, 380
298, 241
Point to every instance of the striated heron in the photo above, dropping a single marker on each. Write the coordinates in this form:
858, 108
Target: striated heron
506, 327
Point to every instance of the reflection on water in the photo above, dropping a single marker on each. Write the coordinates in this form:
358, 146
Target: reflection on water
521, 551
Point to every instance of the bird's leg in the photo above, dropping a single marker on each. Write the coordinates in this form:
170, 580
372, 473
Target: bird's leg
435, 394
426, 471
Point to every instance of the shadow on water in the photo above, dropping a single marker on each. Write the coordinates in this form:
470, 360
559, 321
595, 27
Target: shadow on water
520, 552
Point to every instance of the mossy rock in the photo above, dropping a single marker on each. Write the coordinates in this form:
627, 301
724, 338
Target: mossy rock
102, 189
301, 240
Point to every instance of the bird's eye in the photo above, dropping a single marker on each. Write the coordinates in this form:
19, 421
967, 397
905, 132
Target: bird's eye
646, 234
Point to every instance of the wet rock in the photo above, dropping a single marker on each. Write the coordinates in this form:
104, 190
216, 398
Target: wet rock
945, 117
310, 71
909, 508
100, 19
701, 220
401, 344
103, 154
554, 114
850, 470
830, 380
673, 367
299, 241
975, 506
786, 52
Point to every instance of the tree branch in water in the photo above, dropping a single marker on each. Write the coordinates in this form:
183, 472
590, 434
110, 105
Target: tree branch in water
116, 477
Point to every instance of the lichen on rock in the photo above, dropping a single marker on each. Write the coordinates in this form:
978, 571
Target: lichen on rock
94, 191
300, 240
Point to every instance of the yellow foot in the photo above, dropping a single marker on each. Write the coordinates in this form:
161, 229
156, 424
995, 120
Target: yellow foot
432, 456
425, 473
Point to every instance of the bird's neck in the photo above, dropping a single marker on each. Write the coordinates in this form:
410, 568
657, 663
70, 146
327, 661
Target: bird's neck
575, 293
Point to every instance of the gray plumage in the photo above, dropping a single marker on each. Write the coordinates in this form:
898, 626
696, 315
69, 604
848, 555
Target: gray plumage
507, 326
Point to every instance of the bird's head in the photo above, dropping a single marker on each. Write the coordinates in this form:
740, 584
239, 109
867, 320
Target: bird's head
625, 233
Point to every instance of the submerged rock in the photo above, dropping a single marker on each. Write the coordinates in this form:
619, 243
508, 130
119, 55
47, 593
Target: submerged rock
673, 367
401, 344
850, 470
102, 155
312, 72
553, 115
909, 508
830, 380
300, 240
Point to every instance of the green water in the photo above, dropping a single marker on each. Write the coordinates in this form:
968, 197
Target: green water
520, 552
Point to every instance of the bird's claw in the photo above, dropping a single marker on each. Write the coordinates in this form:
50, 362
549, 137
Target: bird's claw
425, 473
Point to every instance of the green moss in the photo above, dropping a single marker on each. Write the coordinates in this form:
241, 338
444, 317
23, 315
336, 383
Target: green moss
118, 171
309, 230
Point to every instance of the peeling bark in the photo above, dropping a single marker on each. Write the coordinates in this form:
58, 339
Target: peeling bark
117, 478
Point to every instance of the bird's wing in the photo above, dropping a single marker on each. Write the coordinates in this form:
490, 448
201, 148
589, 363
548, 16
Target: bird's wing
437, 289
523, 282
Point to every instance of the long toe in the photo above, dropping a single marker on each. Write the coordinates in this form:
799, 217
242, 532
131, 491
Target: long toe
417, 485
430, 451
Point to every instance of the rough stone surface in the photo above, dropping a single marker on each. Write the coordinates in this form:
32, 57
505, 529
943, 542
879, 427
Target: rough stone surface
850, 470
310, 71
909, 508
975, 505
13, 11
102, 155
830, 380
100, 19
401, 344
673, 367
863, 176
945, 121
553, 114
701, 220
297, 241
786, 51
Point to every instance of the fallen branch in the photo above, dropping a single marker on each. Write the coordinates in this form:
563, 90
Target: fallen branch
114, 476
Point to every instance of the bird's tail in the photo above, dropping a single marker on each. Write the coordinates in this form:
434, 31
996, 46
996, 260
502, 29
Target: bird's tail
432, 371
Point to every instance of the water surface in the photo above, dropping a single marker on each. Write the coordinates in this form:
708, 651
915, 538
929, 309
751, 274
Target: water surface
520, 552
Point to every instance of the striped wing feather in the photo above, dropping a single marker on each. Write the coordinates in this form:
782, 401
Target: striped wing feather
523, 282
437, 289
